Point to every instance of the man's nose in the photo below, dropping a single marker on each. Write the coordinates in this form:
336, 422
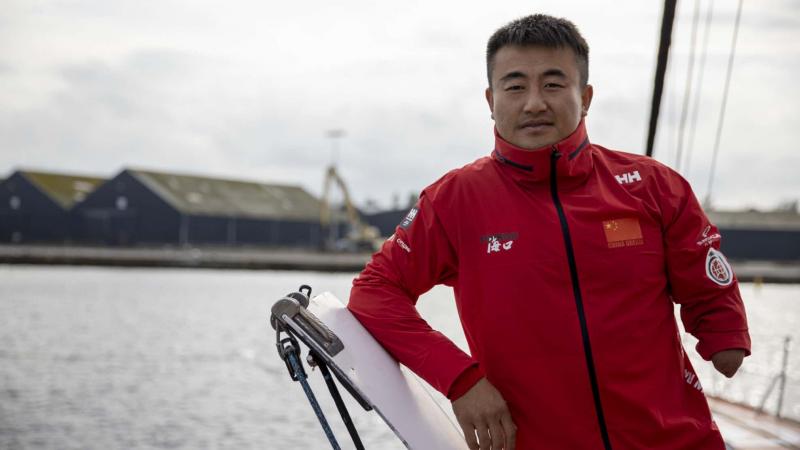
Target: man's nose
534, 102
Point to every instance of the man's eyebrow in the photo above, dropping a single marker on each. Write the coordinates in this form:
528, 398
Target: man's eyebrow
513, 75
554, 73
547, 73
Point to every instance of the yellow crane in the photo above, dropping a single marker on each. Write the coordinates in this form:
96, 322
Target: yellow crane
361, 236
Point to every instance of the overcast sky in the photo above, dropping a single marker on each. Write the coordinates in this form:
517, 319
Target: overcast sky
247, 89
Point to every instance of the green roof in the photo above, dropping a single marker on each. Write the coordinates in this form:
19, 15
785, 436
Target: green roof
66, 190
195, 195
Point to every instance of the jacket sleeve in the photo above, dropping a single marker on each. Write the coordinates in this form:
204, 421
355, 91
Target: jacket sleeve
417, 257
700, 278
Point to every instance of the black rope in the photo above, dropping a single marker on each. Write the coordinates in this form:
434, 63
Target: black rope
337, 398
289, 351
299, 373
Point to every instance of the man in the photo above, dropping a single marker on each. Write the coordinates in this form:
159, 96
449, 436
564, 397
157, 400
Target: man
565, 258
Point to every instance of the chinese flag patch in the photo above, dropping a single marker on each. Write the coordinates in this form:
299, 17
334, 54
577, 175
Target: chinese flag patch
623, 232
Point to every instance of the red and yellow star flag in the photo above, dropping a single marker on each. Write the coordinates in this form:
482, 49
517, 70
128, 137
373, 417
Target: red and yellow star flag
623, 232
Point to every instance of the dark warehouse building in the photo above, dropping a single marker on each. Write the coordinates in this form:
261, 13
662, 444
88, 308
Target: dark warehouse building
759, 236
35, 206
386, 221
139, 207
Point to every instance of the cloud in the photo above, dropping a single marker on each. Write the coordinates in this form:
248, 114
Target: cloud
106, 114
248, 90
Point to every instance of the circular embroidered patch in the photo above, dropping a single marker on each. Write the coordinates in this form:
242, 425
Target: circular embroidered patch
717, 268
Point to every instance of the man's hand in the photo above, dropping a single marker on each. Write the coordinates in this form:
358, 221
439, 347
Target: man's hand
483, 411
727, 362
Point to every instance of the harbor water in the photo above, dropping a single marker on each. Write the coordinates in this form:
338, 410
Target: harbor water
105, 358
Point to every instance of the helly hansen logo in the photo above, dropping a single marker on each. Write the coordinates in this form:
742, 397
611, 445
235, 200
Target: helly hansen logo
497, 242
628, 178
624, 232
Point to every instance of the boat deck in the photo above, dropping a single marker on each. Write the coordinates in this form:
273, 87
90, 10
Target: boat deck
746, 429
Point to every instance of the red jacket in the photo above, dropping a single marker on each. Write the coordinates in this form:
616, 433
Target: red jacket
565, 287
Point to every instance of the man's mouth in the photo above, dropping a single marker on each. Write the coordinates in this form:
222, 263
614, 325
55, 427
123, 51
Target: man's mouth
536, 125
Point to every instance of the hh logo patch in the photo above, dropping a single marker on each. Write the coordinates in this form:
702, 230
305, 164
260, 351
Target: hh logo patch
717, 268
623, 232
409, 218
628, 178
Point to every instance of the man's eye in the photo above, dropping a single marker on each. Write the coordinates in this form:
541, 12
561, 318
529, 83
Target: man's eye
553, 86
515, 87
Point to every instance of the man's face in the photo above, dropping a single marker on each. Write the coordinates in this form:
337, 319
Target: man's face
536, 97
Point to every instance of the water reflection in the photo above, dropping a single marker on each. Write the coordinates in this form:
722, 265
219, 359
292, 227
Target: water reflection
101, 358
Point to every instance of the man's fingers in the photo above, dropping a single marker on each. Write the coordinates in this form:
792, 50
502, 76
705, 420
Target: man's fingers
469, 435
479, 412
484, 439
497, 435
510, 431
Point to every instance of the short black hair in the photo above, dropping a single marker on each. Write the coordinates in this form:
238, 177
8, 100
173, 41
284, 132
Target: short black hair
542, 30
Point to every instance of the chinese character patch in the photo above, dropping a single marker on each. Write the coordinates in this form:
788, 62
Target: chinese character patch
499, 242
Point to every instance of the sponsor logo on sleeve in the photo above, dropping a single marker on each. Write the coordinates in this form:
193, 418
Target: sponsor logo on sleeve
400, 242
624, 232
412, 214
707, 238
717, 268
403, 245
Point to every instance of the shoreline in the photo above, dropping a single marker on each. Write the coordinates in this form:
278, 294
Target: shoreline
184, 257
254, 258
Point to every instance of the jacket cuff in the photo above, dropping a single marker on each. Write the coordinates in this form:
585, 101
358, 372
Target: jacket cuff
710, 343
464, 382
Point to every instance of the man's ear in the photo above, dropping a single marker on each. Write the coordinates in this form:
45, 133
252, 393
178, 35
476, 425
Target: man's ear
490, 100
586, 99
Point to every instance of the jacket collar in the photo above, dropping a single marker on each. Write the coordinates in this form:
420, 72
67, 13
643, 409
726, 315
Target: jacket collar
574, 160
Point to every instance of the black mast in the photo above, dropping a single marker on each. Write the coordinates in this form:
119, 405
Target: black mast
661, 68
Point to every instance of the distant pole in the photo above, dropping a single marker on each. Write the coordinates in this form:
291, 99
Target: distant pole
661, 67
782, 389
334, 136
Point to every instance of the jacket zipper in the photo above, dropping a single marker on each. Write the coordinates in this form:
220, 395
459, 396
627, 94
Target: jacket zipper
573, 272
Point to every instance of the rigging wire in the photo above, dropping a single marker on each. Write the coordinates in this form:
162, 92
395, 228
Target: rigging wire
687, 93
698, 93
721, 120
